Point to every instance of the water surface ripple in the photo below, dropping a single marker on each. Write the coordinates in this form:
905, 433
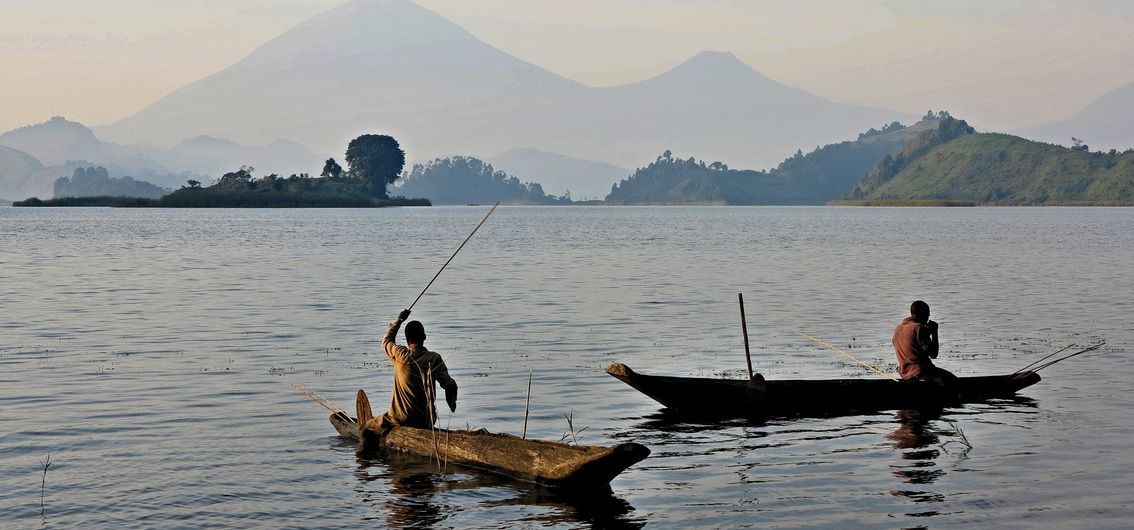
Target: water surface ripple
150, 353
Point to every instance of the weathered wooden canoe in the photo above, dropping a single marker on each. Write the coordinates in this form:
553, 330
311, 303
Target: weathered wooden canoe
759, 398
542, 462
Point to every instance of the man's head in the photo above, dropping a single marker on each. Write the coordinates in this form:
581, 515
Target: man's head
918, 310
415, 333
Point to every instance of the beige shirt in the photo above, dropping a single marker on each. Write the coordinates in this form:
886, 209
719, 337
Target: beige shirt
415, 371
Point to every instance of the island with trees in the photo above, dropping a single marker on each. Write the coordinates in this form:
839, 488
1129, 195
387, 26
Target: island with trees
465, 180
374, 162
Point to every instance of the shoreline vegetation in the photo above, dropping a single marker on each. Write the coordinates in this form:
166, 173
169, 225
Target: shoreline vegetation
905, 203
940, 161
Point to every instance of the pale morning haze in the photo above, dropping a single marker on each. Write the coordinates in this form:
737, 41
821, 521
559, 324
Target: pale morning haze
566, 264
1001, 64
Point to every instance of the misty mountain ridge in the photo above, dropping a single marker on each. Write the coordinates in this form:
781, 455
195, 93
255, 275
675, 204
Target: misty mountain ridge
1103, 124
65, 145
393, 67
16, 173
54, 141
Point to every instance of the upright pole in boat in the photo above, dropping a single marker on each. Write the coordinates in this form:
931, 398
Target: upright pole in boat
454, 255
744, 326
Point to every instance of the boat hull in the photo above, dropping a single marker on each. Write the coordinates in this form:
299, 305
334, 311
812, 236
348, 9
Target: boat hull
738, 398
541, 462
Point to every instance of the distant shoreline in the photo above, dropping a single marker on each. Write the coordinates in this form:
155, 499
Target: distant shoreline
931, 203
358, 202
226, 200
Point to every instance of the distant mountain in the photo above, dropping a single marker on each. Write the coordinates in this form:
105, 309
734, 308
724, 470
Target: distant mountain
55, 141
1104, 124
1000, 169
212, 156
366, 65
16, 169
59, 142
585, 179
393, 67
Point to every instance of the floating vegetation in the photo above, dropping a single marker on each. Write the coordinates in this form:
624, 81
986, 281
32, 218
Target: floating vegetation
961, 439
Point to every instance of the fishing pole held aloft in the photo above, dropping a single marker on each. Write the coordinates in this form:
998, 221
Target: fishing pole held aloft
493, 209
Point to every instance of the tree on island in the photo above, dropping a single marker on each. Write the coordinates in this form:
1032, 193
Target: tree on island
376, 160
240, 179
332, 169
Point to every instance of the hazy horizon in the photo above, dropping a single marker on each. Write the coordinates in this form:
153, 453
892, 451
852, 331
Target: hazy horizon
1006, 66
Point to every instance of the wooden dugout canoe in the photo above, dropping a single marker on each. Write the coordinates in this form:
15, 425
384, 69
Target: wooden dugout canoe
542, 462
707, 397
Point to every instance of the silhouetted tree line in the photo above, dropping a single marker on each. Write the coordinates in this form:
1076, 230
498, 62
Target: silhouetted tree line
374, 161
95, 181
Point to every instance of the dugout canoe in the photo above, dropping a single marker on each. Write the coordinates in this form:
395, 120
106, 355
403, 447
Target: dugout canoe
694, 396
545, 463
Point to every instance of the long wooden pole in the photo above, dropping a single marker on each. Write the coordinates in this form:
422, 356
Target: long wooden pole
527, 401
851, 357
454, 255
744, 326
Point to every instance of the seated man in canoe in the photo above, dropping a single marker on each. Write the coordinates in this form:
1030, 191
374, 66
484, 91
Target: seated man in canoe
915, 342
415, 371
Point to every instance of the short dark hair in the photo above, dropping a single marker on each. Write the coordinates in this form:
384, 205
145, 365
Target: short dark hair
415, 332
918, 309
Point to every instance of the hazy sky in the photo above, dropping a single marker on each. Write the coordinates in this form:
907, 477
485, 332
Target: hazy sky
999, 63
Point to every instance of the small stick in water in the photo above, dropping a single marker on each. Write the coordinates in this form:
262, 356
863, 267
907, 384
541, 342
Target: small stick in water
43, 485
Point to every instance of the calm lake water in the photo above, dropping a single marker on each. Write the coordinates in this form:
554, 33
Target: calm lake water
150, 354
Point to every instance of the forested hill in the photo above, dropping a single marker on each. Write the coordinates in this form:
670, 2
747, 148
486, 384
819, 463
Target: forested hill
464, 180
670, 180
946, 130
826, 173
1000, 169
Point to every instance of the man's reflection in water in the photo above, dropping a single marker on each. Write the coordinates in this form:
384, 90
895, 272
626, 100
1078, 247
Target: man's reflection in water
408, 497
919, 453
412, 498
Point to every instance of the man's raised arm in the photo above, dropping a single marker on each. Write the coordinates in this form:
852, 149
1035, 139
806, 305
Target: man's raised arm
393, 351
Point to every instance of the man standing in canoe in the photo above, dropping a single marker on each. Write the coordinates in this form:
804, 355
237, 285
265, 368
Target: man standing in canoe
915, 342
415, 371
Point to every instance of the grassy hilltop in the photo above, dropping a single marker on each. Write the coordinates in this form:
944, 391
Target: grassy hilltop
957, 164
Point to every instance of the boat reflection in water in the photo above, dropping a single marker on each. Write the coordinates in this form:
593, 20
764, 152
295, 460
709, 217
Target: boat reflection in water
414, 492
